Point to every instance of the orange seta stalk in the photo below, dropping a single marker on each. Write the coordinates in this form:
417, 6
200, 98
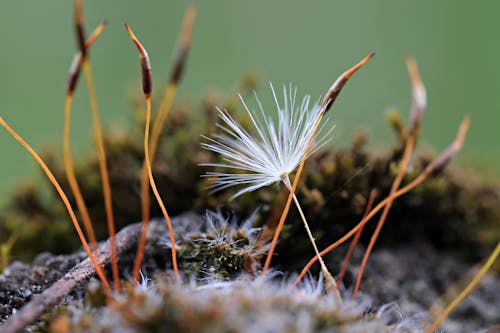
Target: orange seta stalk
101, 155
437, 164
153, 186
355, 241
395, 185
328, 101
99, 142
65, 201
68, 162
419, 103
165, 106
70, 175
147, 88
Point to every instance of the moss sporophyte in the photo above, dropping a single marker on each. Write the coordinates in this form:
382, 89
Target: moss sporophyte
221, 255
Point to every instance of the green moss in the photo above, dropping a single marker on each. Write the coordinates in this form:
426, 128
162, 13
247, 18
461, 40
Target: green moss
221, 250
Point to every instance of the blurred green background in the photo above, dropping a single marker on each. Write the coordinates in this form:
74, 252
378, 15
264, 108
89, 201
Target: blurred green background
308, 43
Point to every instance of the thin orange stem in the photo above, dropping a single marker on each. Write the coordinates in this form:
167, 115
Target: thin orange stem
395, 185
438, 163
64, 199
96, 124
73, 76
161, 117
153, 186
468, 289
70, 175
158, 123
147, 83
145, 201
145, 223
355, 241
417, 181
101, 155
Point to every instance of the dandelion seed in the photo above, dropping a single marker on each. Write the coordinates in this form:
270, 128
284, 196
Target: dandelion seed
271, 155
274, 153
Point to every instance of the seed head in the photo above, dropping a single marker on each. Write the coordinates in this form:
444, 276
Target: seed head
273, 152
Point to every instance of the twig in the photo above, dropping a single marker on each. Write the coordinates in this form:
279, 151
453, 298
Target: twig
41, 303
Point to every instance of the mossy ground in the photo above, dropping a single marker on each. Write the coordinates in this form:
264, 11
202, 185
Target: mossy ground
453, 212
228, 295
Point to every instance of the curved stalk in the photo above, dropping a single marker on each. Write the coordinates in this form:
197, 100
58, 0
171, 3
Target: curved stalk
64, 199
147, 84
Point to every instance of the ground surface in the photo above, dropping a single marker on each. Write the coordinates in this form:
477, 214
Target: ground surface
412, 278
